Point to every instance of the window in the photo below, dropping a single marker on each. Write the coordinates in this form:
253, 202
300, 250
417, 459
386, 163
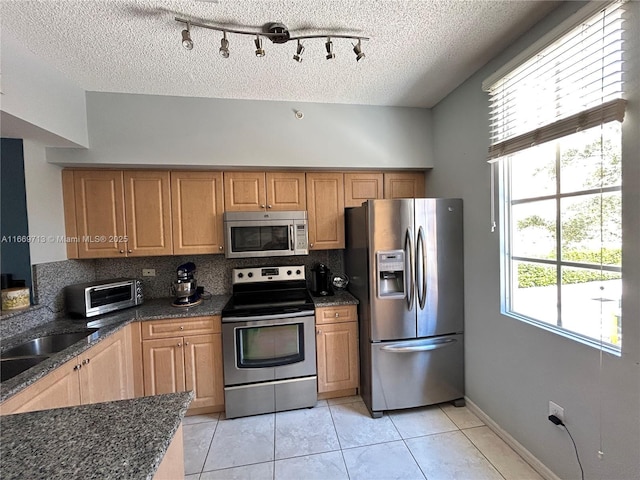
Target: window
556, 136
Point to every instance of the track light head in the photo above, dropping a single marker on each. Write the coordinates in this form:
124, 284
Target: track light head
299, 50
357, 49
186, 38
224, 46
259, 50
329, 47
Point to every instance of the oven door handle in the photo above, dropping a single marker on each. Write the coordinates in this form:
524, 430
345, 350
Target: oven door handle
275, 316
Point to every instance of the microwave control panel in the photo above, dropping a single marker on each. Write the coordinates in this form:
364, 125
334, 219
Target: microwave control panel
301, 238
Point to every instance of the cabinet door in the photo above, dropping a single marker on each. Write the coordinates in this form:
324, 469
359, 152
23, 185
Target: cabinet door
286, 191
60, 388
337, 356
105, 373
244, 191
203, 369
163, 365
325, 203
99, 207
148, 213
197, 206
404, 185
359, 187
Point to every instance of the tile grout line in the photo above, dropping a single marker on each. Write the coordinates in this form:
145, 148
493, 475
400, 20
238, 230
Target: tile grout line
210, 444
404, 441
482, 453
333, 421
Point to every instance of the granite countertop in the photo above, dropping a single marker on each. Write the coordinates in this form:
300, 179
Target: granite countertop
125, 439
340, 297
106, 324
110, 323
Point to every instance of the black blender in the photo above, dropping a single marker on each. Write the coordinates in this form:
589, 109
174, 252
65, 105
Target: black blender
185, 288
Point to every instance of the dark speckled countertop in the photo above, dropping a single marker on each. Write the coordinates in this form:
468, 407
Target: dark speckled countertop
119, 440
340, 297
107, 324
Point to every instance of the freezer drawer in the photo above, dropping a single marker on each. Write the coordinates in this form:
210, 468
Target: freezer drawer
414, 373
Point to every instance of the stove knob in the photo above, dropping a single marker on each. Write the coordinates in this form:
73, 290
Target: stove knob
288, 272
250, 274
240, 275
298, 272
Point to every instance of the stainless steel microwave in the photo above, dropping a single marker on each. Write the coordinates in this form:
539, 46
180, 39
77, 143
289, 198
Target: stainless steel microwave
266, 234
95, 298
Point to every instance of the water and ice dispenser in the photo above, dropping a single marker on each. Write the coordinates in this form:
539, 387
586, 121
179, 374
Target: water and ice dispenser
390, 266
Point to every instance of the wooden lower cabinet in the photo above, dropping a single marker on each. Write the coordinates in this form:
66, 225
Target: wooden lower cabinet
337, 352
177, 364
106, 372
100, 374
172, 465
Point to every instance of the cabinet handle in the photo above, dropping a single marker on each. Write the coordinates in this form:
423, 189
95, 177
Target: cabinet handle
77, 367
129, 251
337, 314
220, 247
311, 245
186, 343
268, 206
121, 251
318, 332
179, 344
181, 328
84, 362
261, 206
88, 360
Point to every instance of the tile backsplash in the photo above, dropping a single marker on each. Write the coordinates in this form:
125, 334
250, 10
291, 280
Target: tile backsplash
213, 272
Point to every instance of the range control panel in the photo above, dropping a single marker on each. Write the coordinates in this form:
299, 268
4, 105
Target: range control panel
268, 274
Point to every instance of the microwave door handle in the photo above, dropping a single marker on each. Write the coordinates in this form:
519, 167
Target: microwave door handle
291, 241
408, 279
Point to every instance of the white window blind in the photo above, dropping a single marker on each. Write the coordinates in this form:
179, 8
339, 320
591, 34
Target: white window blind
571, 85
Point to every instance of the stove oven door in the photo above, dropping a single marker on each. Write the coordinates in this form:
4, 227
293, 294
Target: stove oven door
268, 347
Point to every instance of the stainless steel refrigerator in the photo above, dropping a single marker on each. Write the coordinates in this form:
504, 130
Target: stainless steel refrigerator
404, 260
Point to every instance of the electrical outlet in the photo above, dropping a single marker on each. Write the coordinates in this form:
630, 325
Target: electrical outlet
148, 272
557, 410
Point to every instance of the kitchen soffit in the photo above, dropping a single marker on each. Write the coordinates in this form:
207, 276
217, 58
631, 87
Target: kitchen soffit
418, 53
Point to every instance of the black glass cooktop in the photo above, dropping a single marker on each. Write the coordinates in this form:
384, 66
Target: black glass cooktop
268, 302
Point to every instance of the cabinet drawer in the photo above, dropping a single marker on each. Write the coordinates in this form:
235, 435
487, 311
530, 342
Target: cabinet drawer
179, 327
336, 314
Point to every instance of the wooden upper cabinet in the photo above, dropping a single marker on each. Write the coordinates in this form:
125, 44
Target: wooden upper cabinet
361, 186
244, 191
257, 191
325, 203
404, 185
286, 191
197, 208
114, 213
99, 207
148, 213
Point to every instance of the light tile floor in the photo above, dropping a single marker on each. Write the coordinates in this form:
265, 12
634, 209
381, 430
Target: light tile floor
338, 440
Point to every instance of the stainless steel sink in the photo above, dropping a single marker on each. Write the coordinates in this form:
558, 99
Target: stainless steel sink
11, 367
22, 357
47, 345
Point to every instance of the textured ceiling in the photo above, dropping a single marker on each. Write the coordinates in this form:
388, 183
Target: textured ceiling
419, 50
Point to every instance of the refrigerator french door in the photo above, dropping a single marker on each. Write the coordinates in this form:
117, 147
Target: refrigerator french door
404, 259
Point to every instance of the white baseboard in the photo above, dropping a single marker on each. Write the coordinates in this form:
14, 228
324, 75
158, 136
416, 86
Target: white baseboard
526, 455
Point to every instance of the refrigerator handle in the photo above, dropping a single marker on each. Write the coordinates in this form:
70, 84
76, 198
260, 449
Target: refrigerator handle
419, 347
421, 248
409, 279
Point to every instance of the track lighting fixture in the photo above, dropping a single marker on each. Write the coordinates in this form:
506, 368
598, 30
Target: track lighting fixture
224, 46
357, 49
329, 47
276, 32
186, 38
299, 50
259, 49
